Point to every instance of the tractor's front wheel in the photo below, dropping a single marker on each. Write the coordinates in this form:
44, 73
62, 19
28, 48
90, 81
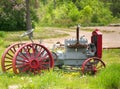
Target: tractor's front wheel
92, 65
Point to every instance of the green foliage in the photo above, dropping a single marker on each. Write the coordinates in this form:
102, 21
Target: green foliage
69, 13
85, 15
95, 13
58, 13
73, 12
114, 7
12, 15
63, 14
109, 77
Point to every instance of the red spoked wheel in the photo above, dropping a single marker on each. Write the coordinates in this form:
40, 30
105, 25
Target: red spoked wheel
92, 65
32, 58
6, 61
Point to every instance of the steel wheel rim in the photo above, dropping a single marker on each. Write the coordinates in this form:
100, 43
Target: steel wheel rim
6, 61
33, 58
92, 65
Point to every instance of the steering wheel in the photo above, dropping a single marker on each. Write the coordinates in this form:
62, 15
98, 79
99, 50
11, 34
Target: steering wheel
27, 33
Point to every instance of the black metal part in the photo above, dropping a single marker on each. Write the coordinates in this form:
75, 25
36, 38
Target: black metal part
77, 33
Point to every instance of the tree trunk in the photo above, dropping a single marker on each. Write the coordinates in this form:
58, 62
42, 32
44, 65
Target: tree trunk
36, 4
28, 19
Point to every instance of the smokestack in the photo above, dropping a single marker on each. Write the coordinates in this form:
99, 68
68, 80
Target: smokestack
77, 33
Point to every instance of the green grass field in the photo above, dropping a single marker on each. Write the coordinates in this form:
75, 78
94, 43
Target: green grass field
108, 78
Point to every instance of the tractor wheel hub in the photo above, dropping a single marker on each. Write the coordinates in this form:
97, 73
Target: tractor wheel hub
34, 63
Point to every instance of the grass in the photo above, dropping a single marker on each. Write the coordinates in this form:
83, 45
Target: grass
39, 33
108, 78
2, 34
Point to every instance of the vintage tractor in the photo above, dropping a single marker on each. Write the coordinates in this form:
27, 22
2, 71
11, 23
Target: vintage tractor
36, 58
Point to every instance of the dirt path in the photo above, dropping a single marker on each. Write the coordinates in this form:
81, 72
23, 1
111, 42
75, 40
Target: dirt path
111, 36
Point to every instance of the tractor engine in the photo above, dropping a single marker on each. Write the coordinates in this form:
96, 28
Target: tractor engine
78, 50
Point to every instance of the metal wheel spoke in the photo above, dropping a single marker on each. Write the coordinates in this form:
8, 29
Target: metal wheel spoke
9, 68
100, 66
23, 56
28, 47
8, 58
40, 53
10, 55
8, 65
45, 63
12, 51
22, 65
21, 60
33, 50
36, 47
18, 45
27, 53
39, 48
44, 67
8, 61
44, 57
25, 69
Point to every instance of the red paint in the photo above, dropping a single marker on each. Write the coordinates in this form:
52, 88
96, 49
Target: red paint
97, 39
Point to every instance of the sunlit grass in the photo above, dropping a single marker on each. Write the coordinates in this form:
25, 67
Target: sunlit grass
39, 33
108, 78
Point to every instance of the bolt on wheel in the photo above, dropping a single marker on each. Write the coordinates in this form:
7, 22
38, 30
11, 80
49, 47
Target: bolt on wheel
32, 58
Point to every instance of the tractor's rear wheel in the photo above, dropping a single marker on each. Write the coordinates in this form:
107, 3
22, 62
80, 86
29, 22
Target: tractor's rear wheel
6, 61
32, 58
92, 65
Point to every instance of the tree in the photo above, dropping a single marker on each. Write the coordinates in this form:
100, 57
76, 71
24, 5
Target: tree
12, 14
114, 6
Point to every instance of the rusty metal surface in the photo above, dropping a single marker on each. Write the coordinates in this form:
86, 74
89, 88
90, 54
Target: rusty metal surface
77, 46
